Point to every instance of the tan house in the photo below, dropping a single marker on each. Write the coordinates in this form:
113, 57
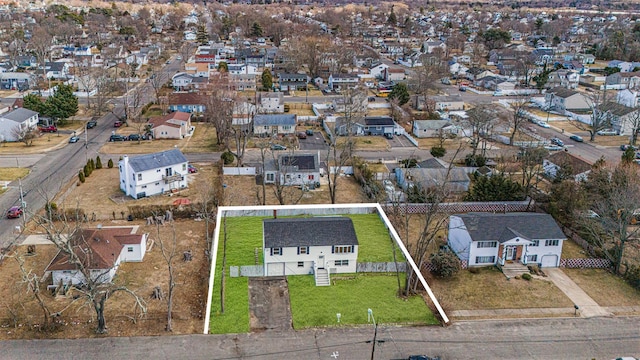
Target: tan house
174, 125
560, 99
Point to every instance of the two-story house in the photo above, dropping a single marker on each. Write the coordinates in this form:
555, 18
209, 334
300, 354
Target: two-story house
270, 103
294, 170
626, 80
14, 124
288, 82
153, 174
561, 100
563, 78
181, 81
343, 81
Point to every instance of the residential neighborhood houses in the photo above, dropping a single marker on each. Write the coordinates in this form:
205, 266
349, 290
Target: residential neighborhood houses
313, 163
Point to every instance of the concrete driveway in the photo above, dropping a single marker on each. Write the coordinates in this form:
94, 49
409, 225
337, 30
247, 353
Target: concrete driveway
588, 307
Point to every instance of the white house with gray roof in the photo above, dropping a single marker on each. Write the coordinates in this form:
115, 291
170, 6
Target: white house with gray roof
153, 174
316, 245
274, 124
487, 239
17, 122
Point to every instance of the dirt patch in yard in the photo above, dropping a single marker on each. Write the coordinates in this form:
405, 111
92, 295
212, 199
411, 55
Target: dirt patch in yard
269, 305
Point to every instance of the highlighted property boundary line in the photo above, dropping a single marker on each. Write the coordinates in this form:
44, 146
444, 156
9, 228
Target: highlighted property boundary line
333, 208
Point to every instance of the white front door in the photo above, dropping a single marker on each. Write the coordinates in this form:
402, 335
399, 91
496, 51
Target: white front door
321, 262
511, 253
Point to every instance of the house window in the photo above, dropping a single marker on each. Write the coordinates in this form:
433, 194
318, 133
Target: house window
487, 244
286, 127
302, 250
535, 243
532, 258
168, 171
144, 186
157, 183
551, 242
341, 263
300, 263
342, 249
133, 177
276, 251
130, 249
139, 177
266, 127
310, 177
184, 167
271, 177
485, 259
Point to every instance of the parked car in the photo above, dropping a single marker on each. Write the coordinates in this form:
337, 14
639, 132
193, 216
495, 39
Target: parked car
117, 123
543, 124
91, 124
553, 147
557, 141
607, 132
117, 137
74, 139
14, 212
388, 135
309, 132
625, 147
422, 357
135, 137
302, 135
192, 169
278, 147
576, 138
49, 129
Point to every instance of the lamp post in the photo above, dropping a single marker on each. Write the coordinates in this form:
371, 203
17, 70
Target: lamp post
370, 318
549, 107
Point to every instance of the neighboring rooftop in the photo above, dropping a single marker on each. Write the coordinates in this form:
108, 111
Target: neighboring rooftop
156, 160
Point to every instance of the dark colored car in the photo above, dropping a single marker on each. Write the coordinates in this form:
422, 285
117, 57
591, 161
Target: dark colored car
309, 132
576, 138
192, 169
117, 124
49, 129
14, 212
117, 137
74, 139
388, 135
625, 147
135, 137
557, 141
91, 124
302, 135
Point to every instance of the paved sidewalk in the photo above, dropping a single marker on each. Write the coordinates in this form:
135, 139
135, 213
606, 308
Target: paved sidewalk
497, 313
588, 307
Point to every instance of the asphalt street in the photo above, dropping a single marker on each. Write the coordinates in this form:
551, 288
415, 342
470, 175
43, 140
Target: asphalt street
594, 338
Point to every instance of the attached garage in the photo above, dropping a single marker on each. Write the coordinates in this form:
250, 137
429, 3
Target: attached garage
549, 261
275, 269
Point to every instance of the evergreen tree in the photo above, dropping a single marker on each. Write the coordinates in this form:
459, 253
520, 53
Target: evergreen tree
392, 19
63, 104
81, 176
256, 30
110, 164
400, 92
98, 163
494, 188
223, 67
33, 102
267, 79
201, 35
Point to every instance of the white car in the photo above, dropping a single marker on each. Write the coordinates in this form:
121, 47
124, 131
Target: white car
543, 124
607, 132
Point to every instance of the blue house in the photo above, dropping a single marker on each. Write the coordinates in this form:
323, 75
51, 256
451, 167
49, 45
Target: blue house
378, 125
187, 102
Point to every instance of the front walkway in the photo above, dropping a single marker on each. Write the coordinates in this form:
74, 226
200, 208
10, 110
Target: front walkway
587, 306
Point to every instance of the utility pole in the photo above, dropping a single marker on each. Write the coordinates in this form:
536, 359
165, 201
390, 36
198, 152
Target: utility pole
23, 205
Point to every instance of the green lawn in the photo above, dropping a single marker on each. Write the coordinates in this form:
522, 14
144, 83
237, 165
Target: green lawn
245, 236
351, 295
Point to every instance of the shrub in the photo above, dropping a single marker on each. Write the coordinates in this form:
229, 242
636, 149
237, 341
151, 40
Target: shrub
92, 164
98, 163
438, 151
227, 157
81, 177
477, 160
445, 263
86, 171
110, 164
527, 277
632, 276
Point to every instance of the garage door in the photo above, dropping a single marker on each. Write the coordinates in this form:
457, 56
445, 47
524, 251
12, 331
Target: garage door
549, 261
275, 269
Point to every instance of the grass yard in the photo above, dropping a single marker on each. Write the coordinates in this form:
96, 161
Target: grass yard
490, 289
351, 295
11, 174
571, 250
245, 236
373, 143
605, 288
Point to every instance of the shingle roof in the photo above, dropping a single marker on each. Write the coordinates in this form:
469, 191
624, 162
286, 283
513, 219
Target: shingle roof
378, 121
274, 119
299, 162
577, 165
562, 92
19, 115
156, 160
431, 124
316, 231
162, 120
503, 227
616, 109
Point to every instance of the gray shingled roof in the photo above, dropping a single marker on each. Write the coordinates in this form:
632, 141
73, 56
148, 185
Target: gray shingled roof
299, 162
316, 231
503, 227
277, 119
379, 121
19, 115
153, 161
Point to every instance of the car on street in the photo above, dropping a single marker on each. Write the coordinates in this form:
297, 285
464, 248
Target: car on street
91, 124
557, 141
309, 132
192, 169
14, 212
543, 124
302, 135
49, 129
576, 138
168, 62
74, 139
553, 147
116, 137
278, 147
624, 147
117, 123
607, 132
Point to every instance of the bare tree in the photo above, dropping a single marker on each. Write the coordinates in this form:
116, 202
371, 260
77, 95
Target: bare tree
133, 111
634, 122
219, 113
427, 75
40, 44
26, 135
285, 189
72, 241
599, 119
517, 119
531, 167
210, 196
168, 249
186, 50
478, 124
